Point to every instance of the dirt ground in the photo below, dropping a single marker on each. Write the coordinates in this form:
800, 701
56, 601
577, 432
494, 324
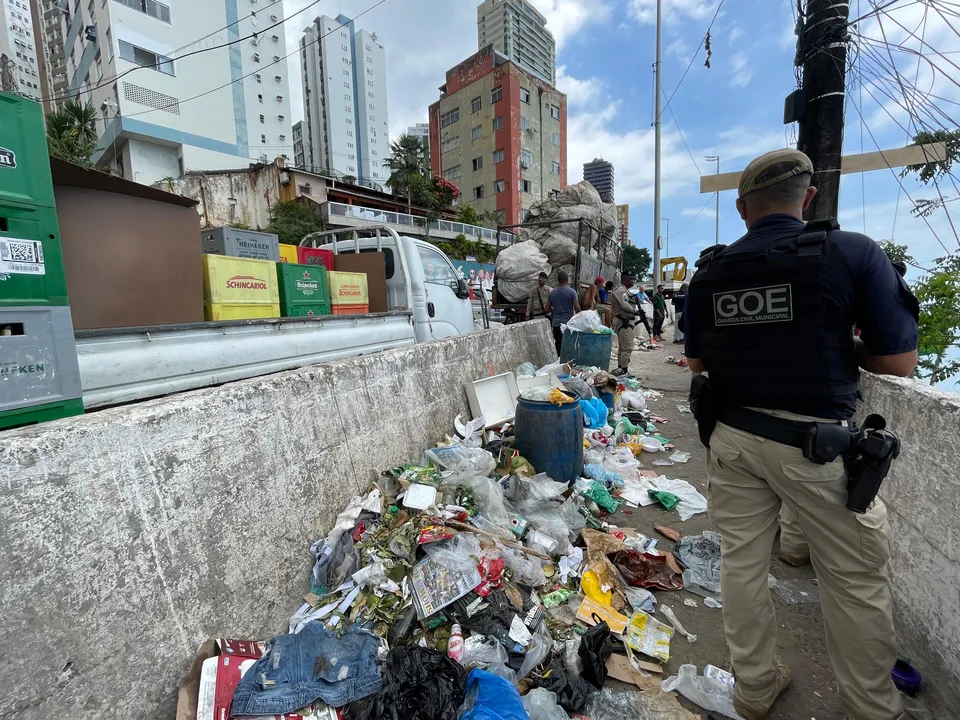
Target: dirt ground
800, 639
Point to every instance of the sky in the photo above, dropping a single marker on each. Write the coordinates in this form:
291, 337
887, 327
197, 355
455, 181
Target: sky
734, 108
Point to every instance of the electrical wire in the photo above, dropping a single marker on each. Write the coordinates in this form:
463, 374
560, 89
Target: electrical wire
110, 81
677, 123
685, 227
260, 69
690, 64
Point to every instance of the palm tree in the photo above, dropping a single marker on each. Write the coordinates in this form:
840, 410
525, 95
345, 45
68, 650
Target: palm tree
408, 166
72, 132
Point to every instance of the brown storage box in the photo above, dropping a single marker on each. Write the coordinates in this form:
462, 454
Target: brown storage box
373, 265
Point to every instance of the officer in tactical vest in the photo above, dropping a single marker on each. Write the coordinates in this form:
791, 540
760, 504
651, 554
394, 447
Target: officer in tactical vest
770, 320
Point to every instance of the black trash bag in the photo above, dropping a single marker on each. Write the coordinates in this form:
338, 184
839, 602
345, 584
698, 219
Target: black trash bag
571, 691
418, 684
595, 647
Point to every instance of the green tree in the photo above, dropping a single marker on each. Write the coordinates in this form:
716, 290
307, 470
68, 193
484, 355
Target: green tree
928, 172
467, 215
938, 291
636, 261
291, 222
408, 167
72, 133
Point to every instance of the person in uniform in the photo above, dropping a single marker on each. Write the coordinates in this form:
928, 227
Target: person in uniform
537, 303
770, 320
624, 319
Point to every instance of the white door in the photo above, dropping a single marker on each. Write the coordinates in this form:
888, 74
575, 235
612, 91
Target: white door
447, 313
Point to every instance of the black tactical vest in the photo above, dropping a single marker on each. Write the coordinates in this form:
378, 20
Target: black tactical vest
770, 334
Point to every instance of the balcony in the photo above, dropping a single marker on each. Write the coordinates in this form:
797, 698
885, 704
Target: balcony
336, 215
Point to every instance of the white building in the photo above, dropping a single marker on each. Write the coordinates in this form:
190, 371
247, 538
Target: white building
519, 31
299, 159
223, 108
422, 131
345, 100
21, 73
52, 23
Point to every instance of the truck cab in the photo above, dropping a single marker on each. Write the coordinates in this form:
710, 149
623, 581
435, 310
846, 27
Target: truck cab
420, 278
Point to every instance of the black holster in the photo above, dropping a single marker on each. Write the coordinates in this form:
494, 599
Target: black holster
705, 406
869, 462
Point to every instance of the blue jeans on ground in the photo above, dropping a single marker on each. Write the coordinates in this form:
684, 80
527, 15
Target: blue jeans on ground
297, 670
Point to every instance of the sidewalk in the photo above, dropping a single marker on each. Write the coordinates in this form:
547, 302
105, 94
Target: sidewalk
800, 640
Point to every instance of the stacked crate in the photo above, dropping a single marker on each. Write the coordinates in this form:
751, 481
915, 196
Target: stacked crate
39, 372
348, 293
303, 290
239, 288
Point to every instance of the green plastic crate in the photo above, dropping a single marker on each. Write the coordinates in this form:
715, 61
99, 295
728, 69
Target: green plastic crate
304, 290
24, 161
31, 258
40, 413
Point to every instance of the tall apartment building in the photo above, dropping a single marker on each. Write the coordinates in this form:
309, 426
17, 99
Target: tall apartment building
516, 29
346, 127
299, 158
599, 173
51, 21
221, 109
500, 134
623, 224
422, 131
20, 71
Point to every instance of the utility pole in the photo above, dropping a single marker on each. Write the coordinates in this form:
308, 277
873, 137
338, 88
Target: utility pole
666, 236
711, 158
656, 166
823, 55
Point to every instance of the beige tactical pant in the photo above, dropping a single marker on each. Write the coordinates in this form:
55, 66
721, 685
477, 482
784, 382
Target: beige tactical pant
791, 533
625, 341
749, 478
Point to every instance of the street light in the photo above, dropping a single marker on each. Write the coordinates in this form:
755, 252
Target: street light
711, 158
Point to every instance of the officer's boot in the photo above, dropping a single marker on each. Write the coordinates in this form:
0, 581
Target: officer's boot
795, 556
750, 711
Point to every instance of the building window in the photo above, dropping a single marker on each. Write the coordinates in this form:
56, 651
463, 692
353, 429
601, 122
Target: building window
526, 158
555, 138
370, 83
256, 56
109, 45
499, 186
263, 139
476, 133
369, 71
498, 156
369, 49
258, 78
451, 143
555, 169
260, 99
497, 94
453, 173
475, 105
145, 58
450, 117
149, 7
261, 120
477, 164
498, 123
345, 48
478, 192
346, 84
370, 105
346, 72
524, 122
350, 145
524, 95
526, 186
347, 108
554, 112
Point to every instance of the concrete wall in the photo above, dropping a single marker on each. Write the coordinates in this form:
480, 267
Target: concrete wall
227, 198
922, 494
132, 534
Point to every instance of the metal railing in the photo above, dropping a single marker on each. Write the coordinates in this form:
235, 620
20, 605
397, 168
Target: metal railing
476, 232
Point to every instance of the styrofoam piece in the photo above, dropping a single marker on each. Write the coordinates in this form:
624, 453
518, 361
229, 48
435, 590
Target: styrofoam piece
550, 380
651, 444
494, 397
420, 497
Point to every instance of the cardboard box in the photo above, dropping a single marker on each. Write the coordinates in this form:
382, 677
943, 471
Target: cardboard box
374, 266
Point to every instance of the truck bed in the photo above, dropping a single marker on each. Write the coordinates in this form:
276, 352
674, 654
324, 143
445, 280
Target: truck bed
121, 365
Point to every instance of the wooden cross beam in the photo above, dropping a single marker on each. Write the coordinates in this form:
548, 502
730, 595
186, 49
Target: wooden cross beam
865, 162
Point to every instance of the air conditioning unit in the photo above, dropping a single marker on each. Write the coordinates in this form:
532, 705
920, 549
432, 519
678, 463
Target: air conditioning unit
279, 117
283, 137
276, 58
524, 164
276, 38
91, 33
285, 176
274, 18
279, 97
256, 57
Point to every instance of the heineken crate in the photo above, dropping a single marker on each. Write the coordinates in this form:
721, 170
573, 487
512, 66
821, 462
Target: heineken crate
24, 158
31, 258
303, 290
240, 243
39, 372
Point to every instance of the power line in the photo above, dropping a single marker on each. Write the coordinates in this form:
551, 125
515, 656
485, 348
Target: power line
112, 80
690, 64
260, 69
709, 200
677, 123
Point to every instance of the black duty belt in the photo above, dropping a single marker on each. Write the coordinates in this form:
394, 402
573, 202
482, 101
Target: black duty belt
795, 433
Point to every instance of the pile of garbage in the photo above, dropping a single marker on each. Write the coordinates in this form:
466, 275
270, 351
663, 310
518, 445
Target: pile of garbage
552, 249
465, 584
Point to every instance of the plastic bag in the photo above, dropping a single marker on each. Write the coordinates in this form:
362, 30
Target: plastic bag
570, 512
462, 460
571, 657
598, 493
493, 506
594, 412
709, 693
487, 654
527, 369
633, 400
537, 393
459, 554
418, 683
700, 554
571, 691
527, 569
537, 651
579, 388
596, 644
517, 269
609, 479
542, 704
691, 501
550, 522
539, 487
648, 571
490, 697
641, 599
585, 321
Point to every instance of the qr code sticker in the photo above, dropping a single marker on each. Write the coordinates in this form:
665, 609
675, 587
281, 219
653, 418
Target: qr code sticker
22, 252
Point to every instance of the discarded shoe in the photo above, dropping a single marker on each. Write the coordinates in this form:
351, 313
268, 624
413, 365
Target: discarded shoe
752, 711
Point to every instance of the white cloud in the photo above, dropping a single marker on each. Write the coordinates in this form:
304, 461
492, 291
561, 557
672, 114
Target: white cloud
674, 11
740, 71
678, 48
579, 92
566, 17
704, 212
735, 33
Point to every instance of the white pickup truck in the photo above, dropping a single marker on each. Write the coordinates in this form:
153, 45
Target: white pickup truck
427, 301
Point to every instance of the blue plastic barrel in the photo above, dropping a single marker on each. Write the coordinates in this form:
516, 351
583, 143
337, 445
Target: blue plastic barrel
551, 438
586, 349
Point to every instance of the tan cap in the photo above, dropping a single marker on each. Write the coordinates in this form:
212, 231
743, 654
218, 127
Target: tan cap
755, 175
